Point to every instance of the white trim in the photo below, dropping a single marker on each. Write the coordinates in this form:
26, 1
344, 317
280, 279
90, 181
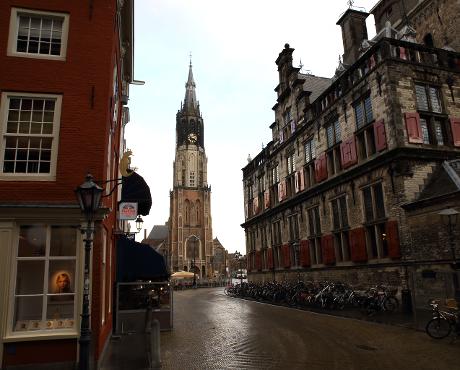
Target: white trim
13, 32
4, 106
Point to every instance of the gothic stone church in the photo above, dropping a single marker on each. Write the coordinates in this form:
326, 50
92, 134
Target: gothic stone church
190, 199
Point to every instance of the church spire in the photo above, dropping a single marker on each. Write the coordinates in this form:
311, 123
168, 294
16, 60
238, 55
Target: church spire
190, 102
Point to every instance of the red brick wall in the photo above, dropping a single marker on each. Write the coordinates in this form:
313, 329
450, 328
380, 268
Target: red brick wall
39, 352
83, 129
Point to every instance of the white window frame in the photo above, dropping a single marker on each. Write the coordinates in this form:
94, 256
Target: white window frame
4, 107
57, 333
14, 27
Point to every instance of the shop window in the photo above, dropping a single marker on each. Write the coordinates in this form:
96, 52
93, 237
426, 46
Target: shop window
45, 279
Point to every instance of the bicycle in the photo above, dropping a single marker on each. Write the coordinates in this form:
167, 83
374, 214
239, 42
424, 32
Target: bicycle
442, 323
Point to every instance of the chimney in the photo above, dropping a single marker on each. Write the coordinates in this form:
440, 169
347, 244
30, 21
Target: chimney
354, 32
284, 63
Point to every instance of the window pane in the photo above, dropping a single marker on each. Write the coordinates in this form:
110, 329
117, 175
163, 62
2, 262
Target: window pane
29, 279
330, 135
373, 241
434, 99
61, 276
379, 204
307, 151
317, 221
60, 312
32, 241
359, 115
335, 214
63, 241
338, 131
422, 100
343, 210
368, 108
28, 313
425, 133
368, 212
439, 132
311, 222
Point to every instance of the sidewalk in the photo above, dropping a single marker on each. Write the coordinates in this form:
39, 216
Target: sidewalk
127, 352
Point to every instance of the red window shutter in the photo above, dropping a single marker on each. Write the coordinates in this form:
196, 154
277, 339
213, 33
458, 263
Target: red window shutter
380, 136
394, 250
305, 253
414, 130
297, 182
270, 258
353, 152
358, 245
267, 199
345, 154
327, 246
455, 126
256, 205
301, 179
286, 256
321, 168
402, 53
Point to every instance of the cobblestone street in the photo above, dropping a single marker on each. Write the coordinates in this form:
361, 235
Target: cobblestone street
213, 331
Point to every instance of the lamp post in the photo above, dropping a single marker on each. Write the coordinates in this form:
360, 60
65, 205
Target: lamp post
238, 259
449, 217
89, 197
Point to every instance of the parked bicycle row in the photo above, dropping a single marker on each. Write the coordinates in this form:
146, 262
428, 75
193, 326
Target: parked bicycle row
326, 295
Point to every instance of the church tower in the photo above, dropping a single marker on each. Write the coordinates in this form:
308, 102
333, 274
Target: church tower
190, 199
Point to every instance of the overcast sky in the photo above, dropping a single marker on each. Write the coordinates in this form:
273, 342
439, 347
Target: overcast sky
234, 45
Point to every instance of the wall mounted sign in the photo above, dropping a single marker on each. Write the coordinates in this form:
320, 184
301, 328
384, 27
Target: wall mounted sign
127, 211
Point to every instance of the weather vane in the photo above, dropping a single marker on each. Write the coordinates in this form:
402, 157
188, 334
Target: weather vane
190, 55
350, 3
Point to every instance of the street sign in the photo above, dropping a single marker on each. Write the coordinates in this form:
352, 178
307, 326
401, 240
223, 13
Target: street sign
127, 211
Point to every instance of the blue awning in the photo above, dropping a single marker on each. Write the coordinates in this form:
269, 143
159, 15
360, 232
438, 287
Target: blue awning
135, 189
138, 261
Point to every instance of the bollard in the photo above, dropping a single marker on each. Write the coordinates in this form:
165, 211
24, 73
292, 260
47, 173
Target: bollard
155, 361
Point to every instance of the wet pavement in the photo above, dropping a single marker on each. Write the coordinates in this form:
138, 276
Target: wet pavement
213, 331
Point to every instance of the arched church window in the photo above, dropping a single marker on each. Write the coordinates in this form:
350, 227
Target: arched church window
192, 214
197, 210
187, 212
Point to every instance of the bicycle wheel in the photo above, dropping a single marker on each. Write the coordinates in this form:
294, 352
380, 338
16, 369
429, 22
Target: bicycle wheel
390, 303
438, 328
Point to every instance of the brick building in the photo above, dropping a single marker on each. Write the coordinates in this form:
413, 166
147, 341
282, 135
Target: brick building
330, 197
66, 69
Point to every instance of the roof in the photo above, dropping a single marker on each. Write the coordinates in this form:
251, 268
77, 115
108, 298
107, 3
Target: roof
444, 181
159, 232
315, 84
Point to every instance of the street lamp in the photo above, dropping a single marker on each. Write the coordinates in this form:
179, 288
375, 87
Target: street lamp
139, 223
449, 217
238, 258
89, 197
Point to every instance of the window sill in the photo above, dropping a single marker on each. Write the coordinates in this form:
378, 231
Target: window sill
35, 336
31, 177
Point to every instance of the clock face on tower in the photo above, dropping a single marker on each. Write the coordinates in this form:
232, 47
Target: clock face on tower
192, 138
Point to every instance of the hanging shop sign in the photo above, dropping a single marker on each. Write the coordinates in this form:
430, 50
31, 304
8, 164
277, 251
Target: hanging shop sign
127, 211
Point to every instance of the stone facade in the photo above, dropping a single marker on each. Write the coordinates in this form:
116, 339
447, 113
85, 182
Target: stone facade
323, 200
